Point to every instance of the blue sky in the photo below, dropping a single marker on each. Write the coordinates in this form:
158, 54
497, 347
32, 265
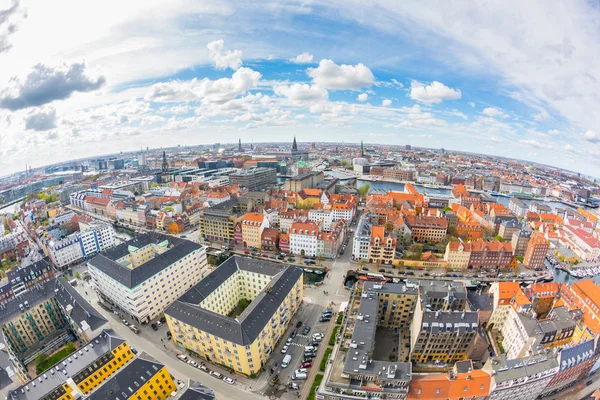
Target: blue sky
116, 77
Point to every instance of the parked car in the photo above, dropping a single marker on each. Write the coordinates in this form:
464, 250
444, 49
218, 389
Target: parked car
182, 357
180, 384
284, 349
365, 268
293, 334
246, 251
193, 363
306, 330
154, 326
289, 341
325, 319
204, 368
306, 360
124, 321
275, 379
216, 374
298, 324
291, 259
293, 385
229, 380
305, 365
381, 270
134, 329
265, 255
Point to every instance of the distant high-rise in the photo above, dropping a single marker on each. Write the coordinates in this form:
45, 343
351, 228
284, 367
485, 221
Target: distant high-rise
165, 164
362, 149
240, 145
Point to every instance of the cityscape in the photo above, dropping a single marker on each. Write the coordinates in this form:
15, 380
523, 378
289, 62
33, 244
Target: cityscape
299, 200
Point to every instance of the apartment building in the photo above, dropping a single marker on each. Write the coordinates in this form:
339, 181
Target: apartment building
521, 378
20, 280
518, 207
397, 303
488, 255
508, 228
218, 222
382, 246
143, 276
401, 174
537, 249
362, 238
206, 319
254, 179
150, 378
40, 319
253, 225
304, 236
96, 237
519, 241
330, 243
425, 229
457, 255
322, 215
462, 382
85, 370
584, 244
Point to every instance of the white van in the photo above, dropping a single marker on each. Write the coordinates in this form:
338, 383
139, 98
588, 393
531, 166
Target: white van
299, 376
286, 361
309, 348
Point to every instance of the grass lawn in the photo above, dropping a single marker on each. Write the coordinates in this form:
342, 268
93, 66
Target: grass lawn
339, 318
326, 356
54, 358
333, 335
315, 385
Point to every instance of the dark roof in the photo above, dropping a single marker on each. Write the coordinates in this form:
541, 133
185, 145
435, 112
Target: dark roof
246, 328
480, 301
197, 391
122, 385
106, 260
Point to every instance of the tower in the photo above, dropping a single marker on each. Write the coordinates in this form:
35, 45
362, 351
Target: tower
362, 149
294, 145
165, 164
240, 145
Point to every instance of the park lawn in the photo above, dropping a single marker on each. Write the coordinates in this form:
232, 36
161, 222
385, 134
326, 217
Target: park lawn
53, 359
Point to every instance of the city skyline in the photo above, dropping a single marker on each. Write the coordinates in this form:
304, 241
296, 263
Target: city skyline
217, 71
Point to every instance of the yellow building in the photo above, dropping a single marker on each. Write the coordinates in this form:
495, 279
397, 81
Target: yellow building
81, 372
396, 304
457, 255
209, 320
253, 225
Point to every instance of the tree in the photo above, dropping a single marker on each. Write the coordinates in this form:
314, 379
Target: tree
70, 347
320, 257
41, 358
364, 190
77, 276
416, 251
361, 263
499, 238
447, 208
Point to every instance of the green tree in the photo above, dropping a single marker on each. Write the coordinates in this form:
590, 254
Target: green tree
77, 276
41, 358
320, 257
364, 190
499, 238
416, 251
447, 208
70, 347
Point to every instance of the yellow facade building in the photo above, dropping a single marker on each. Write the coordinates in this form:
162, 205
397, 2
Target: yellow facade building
253, 225
209, 319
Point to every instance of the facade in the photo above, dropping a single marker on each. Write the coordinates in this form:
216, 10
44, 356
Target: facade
400, 174
457, 255
253, 225
508, 228
201, 320
362, 238
254, 179
382, 246
81, 245
427, 229
537, 249
519, 242
518, 207
217, 223
309, 180
270, 239
462, 382
143, 276
488, 255
86, 370
304, 238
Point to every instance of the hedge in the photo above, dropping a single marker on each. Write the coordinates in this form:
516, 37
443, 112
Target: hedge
325, 358
339, 318
333, 335
315, 385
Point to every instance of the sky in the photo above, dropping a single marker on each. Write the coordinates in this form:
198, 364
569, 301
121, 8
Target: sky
507, 78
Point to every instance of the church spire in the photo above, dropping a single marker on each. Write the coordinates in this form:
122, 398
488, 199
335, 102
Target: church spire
240, 145
294, 144
165, 164
362, 148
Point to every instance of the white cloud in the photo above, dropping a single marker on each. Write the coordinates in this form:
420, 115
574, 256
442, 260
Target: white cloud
536, 144
416, 118
302, 92
434, 93
341, 77
541, 116
362, 97
592, 136
224, 59
386, 102
493, 112
568, 147
303, 58
471, 104
554, 132
208, 91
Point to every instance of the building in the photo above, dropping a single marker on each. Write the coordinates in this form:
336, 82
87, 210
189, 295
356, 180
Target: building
442, 327
39, 318
270, 239
86, 370
584, 244
143, 276
96, 237
537, 249
518, 207
521, 378
489, 255
304, 238
382, 246
502, 294
218, 222
427, 229
254, 179
253, 225
462, 382
457, 255
150, 379
309, 180
519, 242
401, 174
362, 239
207, 319
508, 228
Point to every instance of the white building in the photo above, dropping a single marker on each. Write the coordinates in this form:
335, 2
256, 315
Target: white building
518, 207
303, 238
342, 210
96, 237
362, 238
321, 215
143, 276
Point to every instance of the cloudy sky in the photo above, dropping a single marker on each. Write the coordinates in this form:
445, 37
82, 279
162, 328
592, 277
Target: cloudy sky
508, 78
